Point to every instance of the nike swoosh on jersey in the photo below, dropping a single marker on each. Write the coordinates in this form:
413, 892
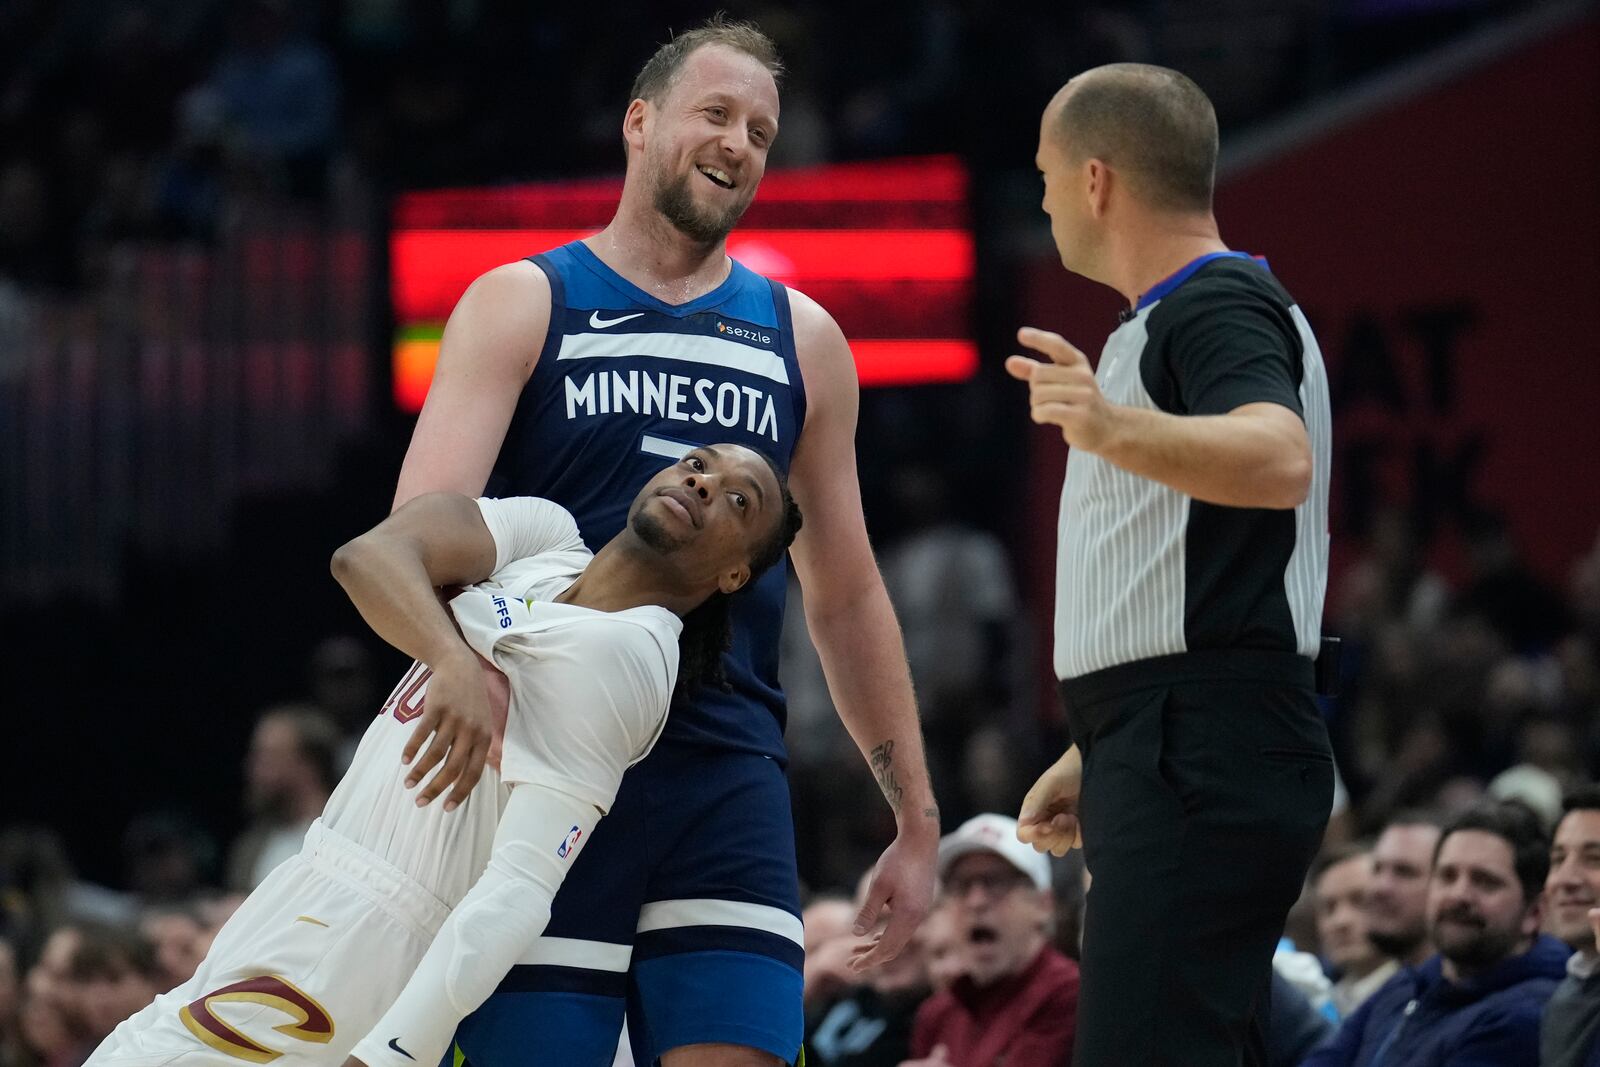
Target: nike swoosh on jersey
394, 1043
598, 323
309, 919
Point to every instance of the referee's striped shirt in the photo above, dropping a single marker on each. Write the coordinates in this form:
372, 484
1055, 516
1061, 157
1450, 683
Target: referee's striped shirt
1143, 570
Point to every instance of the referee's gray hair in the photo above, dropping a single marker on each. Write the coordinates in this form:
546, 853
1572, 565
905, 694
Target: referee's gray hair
1153, 124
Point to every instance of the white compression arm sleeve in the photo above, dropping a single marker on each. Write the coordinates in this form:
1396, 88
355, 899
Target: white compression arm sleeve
491, 929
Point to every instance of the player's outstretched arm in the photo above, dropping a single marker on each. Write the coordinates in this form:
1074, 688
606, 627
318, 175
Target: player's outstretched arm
853, 626
490, 346
391, 573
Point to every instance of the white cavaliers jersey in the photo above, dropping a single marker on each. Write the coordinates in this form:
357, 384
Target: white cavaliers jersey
605, 678
315, 956
579, 695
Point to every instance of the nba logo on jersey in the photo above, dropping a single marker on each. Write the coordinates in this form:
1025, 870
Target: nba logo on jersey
569, 843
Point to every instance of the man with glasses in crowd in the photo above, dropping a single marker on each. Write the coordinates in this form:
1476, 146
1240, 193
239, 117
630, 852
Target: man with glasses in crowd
1018, 1000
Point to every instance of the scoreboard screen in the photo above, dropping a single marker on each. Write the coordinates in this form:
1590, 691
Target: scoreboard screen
886, 247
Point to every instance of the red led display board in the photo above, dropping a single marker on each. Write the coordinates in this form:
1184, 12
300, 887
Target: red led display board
885, 246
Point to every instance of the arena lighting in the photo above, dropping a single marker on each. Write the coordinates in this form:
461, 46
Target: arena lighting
885, 246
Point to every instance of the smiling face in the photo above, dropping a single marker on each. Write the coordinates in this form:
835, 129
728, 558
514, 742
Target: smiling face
705, 141
710, 513
1476, 909
1573, 886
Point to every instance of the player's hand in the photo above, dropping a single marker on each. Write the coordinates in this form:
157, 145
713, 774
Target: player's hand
939, 1057
1049, 817
457, 716
902, 886
1063, 392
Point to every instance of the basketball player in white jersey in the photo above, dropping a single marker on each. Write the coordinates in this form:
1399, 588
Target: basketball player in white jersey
558, 667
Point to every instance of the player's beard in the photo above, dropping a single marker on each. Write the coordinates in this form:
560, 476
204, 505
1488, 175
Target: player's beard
653, 532
708, 226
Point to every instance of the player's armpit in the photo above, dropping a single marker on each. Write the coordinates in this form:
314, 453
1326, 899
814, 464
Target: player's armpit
488, 352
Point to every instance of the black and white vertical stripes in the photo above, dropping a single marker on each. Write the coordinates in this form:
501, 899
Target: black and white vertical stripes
1144, 570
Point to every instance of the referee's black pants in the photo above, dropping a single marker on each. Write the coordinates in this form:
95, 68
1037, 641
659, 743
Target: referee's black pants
1207, 785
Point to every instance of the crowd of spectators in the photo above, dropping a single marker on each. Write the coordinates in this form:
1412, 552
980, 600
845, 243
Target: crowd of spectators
124, 120
1490, 683
1470, 940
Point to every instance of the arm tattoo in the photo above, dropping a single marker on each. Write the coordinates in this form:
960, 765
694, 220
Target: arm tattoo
882, 760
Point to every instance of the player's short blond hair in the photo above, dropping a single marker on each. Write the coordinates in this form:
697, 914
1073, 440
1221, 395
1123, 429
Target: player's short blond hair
656, 79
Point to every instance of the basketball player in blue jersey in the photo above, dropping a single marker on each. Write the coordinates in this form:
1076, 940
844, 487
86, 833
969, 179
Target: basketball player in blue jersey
569, 376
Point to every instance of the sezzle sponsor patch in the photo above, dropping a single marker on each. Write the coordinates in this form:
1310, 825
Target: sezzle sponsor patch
743, 333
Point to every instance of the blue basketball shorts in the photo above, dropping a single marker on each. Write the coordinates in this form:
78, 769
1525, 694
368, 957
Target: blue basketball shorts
682, 913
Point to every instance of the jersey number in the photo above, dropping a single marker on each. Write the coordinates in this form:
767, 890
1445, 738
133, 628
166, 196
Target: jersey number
407, 699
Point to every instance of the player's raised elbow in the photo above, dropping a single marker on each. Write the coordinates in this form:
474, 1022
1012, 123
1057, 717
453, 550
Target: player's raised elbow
354, 558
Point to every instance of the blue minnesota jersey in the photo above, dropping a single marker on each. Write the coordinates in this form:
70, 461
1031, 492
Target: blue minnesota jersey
626, 384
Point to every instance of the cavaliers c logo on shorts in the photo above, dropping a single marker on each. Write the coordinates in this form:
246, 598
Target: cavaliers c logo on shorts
311, 1020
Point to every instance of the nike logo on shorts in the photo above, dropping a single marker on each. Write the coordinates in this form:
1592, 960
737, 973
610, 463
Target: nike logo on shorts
394, 1043
598, 323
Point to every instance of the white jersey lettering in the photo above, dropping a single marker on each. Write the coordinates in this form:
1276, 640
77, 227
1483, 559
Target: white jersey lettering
728, 404
680, 385
672, 396
702, 393
580, 395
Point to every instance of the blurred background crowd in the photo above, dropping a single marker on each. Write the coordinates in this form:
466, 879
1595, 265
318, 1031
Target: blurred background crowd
187, 183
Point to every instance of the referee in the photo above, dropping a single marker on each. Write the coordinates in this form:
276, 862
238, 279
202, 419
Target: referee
1190, 577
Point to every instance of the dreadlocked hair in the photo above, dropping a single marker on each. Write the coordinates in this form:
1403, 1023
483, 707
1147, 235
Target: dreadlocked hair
707, 633
706, 636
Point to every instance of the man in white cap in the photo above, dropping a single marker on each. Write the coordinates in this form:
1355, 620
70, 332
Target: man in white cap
1018, 1001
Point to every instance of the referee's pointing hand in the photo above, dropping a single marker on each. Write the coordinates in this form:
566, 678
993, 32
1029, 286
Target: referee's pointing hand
1063, 392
